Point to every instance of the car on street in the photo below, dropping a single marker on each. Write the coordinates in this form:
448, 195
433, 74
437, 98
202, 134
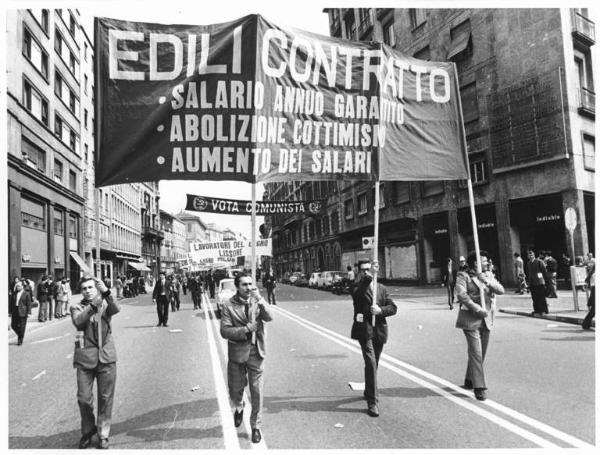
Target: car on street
326, 279
301, 282
225, 291
313, 281
294, 276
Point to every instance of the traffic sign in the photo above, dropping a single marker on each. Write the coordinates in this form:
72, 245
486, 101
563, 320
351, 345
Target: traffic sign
570, 219
367, 243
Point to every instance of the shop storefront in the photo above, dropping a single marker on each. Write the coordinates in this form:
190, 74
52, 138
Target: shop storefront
487, 231
436, 245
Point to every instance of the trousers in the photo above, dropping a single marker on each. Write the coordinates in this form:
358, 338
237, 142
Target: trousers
271, 295
18, 324
477, 343
43, 310
587, 322
249, 373
371, 351
105, 375
162, 308
538, 295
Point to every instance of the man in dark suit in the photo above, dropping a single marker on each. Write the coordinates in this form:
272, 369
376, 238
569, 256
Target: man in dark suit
245, 314
371, 338
269, 282
95, 358
449, 280
210, 281
20, 309
162, 295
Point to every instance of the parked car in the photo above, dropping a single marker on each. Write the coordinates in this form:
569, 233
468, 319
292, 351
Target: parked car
225, 291
286, 278
313, 281
327, 278
294, 276
341, 284
301, 282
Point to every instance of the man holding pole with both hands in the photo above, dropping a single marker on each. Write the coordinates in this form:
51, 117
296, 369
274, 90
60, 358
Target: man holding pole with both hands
242, 324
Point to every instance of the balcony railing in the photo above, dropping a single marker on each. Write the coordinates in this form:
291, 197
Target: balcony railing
584, 29
148, 231
587, 101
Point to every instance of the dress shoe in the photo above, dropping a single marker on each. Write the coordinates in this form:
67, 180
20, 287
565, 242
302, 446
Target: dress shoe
451, 306
103, 443
480, 394
20, 342
256, 436
238, 416
373, 410
86, 439
159, 324
165, 325
468, 384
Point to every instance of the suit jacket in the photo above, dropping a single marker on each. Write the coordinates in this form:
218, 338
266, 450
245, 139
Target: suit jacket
95, 325
233, 328
23, 306
448, 277
469, 297
158, 289
362, 298
536, 272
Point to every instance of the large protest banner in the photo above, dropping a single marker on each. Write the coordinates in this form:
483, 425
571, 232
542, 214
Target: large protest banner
248, 100
209, 204
226, 251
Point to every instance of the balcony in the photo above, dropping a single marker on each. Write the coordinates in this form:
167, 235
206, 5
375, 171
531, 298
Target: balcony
587, 102
383, 11
583, 29
151, 233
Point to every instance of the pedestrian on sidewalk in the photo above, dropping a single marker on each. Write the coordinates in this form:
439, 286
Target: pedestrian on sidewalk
176, 289
244, 314
95, 358
161, 296
42, 296
52, 296
20, 309
476, 319
551, 269
519, 274
371, 338
62, 297
536, 273
210, 281
590, 280
449, 280
119, 286
269, 282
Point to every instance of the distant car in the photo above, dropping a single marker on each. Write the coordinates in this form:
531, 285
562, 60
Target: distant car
313, 281
301, 282
294, 276
327, 278
225, 291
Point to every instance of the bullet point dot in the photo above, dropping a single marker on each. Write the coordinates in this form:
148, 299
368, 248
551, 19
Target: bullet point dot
162, 100
160, 160
160, 128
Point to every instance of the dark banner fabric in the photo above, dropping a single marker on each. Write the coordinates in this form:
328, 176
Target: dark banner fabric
240, 207
250, 101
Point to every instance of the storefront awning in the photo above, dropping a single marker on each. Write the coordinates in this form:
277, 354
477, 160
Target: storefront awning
139, 266
80, 262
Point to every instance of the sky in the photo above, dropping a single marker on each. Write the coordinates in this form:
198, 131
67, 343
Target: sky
296, 14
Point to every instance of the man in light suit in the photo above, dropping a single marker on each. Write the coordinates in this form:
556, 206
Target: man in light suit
371, 338
476, 320
20, 309
95, 358
241, 317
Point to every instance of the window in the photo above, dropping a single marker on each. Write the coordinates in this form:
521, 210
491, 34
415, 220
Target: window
72, 227
461, 46
34, 102
423, 54
85, 51
35, 155
32, 214
325, 223
85, 84
348, 209
85, 119
362, 204
41, 16
35, 53
470, 105
58, 171
364, 16
72, 24
58, 43
589, 152
401, 192
417, 17
350, 25
432, 187
59, 225
478, 168
58, 126
388, 34
72, 140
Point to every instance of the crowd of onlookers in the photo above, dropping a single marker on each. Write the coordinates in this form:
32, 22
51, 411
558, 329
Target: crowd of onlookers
51, 296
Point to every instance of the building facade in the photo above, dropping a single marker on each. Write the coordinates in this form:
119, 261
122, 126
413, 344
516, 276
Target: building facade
528, 101
173, 251
44, 153
152, 236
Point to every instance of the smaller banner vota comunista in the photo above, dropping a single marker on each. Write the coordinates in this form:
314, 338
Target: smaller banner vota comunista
248, 100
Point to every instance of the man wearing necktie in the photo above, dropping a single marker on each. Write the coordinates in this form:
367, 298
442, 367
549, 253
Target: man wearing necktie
161, 296
371, 338
241, 317
20, 309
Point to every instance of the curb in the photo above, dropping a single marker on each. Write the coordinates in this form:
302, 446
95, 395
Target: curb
550, 317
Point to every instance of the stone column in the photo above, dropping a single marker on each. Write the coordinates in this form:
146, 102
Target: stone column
14, 231
506, 248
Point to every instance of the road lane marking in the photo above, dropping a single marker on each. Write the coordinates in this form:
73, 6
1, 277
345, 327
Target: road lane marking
262, 445
229, 432
388, 360
45, 340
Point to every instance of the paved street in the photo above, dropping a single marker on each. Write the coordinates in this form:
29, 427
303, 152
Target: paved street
171, 386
